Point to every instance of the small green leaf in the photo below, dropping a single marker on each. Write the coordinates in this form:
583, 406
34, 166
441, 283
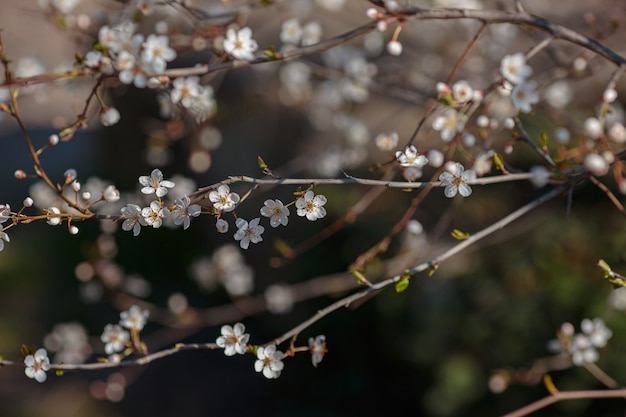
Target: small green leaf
543, 140
608, 272
271, 53
447, 99
59, 372
261, 162
282, 247
433, 268
459, 235
361, 278
402, 285
26, 350
498, 162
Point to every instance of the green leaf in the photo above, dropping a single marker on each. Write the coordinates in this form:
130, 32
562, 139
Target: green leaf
543, 140
361, 278
402, 285
459, 235
608, 272
261, 162
498, 162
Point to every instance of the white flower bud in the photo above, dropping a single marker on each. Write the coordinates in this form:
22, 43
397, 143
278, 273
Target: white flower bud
617, 133
221, 225
593, 128
414, 227
53, 140
70, 175
443, 88
28, 202
540, 176
73, 230
54, 220
562, 135
372, 13
435, 158
111, 194
482, 121
394, 48
596, 164
509, 123
75, 186
609, 96
109, 116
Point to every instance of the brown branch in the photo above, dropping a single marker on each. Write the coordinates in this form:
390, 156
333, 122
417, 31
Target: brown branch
565, 396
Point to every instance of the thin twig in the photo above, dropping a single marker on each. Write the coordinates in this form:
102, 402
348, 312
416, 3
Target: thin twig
361, 181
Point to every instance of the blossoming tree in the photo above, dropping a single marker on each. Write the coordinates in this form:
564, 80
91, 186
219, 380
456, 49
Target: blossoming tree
306, 156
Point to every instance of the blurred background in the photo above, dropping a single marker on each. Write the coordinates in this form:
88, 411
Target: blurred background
454, 344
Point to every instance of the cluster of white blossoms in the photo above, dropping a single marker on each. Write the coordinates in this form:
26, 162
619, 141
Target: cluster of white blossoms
157, 211
142, 61
581, 347
596, 131
226, 267
137, 60
460, 99
223, 200
116, 337
515, 70
294, 34
269, 360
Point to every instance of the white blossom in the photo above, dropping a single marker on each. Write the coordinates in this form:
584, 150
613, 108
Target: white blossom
317, 347
291, 31
37, 365
411, 158
248, 232
269, 361
449, 124
462, 92
132, 216
276, 211
153, 215
514, 68
184, 210
134, 318
387, 141
524, 95
114, 338
111, 194
155, 183
156, 53
456, 181
223, 199
240, 44
311, 206
233, 339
